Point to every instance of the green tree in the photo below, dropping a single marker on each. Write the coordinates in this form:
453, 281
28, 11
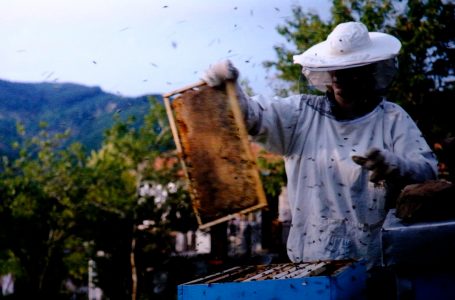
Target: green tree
38, 212
424, 83
60, 208
135, 178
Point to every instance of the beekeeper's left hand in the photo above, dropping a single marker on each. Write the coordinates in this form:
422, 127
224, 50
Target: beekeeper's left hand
375, 160
219, 72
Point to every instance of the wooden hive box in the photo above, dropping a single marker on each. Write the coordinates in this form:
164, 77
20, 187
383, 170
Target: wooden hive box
214, 148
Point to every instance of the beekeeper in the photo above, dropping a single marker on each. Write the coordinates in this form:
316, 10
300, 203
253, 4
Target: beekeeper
344, 150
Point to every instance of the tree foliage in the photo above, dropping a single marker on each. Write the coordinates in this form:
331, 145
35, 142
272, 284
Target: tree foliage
60, 208
39, 208
136, 178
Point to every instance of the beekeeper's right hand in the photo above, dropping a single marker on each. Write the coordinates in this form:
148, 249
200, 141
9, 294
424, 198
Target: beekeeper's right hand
219, 72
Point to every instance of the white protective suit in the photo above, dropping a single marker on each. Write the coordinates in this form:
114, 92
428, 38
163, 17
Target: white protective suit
336, 211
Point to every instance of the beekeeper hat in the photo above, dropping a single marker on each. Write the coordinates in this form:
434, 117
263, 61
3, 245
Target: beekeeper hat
349, 45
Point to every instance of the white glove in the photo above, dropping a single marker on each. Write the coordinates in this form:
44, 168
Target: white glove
219, 72
375, 161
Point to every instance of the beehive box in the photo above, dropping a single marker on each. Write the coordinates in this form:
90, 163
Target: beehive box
421, 255
316, 280
425, 244
213, 144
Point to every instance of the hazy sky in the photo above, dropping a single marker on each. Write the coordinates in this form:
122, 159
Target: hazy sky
138, 47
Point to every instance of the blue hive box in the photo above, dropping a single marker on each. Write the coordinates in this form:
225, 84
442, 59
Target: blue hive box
423, 243
317, 280
422, 256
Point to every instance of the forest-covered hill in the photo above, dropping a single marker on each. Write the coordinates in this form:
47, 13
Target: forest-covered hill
86, 111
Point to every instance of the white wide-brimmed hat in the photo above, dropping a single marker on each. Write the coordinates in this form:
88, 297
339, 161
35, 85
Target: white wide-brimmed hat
349, 45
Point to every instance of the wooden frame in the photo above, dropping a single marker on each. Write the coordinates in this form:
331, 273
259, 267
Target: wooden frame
213, 145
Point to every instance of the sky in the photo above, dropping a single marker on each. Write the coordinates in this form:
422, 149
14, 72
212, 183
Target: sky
141, 47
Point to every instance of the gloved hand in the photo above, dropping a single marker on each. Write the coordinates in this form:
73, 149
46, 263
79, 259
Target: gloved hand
375, 161
219, 72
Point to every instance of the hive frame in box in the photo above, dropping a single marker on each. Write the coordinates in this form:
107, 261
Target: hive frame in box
234, 108
322, 280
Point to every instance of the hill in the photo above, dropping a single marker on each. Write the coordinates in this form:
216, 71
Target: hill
86, 111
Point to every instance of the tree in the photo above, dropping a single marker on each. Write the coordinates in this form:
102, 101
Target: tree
424, 83
137, 196
38, 212
117, 207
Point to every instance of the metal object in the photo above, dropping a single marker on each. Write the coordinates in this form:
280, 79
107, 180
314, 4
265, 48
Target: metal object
212, 142
308, 280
